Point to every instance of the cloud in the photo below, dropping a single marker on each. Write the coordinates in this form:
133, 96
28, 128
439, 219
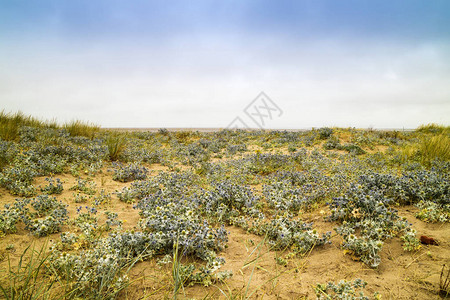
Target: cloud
185, 83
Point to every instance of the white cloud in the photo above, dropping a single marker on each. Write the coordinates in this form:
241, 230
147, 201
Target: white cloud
207, 81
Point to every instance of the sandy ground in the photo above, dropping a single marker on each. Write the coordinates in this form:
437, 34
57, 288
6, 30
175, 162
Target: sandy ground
401, 275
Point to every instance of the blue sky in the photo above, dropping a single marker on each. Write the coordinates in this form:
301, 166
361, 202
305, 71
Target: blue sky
200, 63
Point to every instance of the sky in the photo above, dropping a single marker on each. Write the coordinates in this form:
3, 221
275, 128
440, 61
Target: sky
154, 64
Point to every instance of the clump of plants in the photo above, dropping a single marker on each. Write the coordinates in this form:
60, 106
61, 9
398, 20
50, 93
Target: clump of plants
46, 216
433, 212
410, 241
332, 143
325, 133
129, 172
289, 195
436, 147
84, 186
265, 163
412, 186
165, 184
102, 198
93, 273
169, 221
190, 274
80, 128
19, 177
233, 149
12, 214
228, 200
344, 290
352, 149
368, 210
8, 150
284, 233
53, 186
433, 128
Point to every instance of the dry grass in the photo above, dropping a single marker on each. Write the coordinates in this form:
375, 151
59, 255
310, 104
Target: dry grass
433, 128
434, 147
11, 122
433, 143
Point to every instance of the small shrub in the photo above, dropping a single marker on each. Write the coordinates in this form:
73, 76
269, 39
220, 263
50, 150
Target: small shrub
332, 143
80, 198
325, 133
51, 215
352, 148
365, 249
228, 200
367, 209
283, 232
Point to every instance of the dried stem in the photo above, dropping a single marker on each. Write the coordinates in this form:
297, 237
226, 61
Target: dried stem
444, 283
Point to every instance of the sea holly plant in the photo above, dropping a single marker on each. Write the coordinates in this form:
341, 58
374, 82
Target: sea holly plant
166, 220
362, 248
413, 186
102, 198
84, 186
165, 223
111, 220
283, 232
129, 172
433, 212
368, 210
53, 186
12, 214
80, 198
284, 196
18, 178
45, 216
43, 204
164, 184
228, 200
343, 290
410, 241
51, 215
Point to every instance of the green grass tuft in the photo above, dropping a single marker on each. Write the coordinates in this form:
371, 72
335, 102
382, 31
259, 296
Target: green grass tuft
80, 128
116, 145
435, 147
24, 281
433, 128
11, 122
